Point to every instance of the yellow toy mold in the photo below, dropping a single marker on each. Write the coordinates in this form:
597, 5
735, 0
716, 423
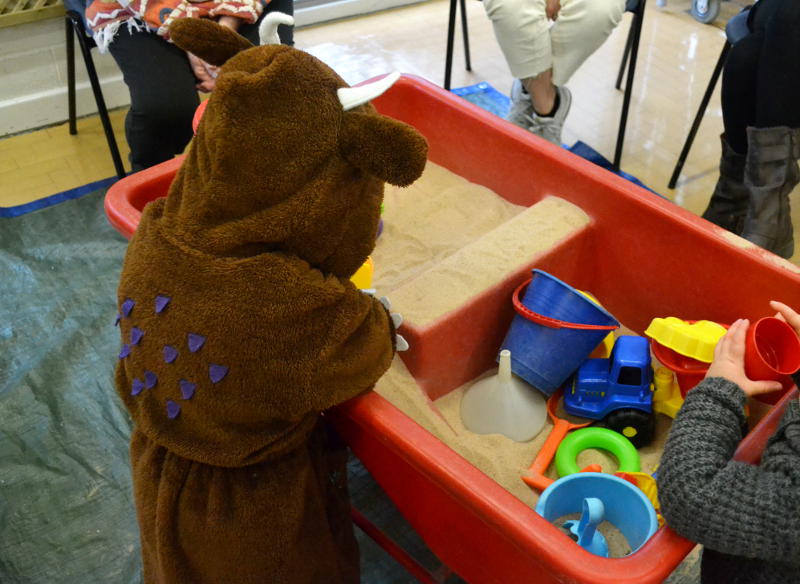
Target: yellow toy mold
363, 276
696, 340
667, 398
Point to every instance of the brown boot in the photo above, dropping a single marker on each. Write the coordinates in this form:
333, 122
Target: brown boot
728, 205
771, 172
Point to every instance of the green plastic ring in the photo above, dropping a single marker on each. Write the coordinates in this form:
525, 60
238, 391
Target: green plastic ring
602, 438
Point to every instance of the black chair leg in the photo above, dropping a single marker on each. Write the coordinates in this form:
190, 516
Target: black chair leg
101, 104
712, 83
451, 31
465, 34
636, 29
625, 56
71, 74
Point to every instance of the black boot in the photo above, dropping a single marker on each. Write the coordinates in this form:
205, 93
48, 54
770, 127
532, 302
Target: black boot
728, 205
771, 172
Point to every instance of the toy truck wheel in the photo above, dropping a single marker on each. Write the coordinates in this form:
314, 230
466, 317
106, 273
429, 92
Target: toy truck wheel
636, 425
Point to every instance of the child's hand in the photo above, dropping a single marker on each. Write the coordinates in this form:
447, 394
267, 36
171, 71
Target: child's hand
729, 361
206, 74
787, 315
552, 8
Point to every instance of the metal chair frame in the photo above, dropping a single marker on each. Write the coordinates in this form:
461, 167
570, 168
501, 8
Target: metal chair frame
735, 30
76, 28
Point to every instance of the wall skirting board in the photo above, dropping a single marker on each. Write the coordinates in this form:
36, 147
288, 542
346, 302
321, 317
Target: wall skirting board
45, 108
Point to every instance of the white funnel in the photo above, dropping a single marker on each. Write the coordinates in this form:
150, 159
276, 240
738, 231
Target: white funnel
504, 404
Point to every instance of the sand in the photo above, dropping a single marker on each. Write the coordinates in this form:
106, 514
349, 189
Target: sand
446, 240
488, 260
431, 220
497, 456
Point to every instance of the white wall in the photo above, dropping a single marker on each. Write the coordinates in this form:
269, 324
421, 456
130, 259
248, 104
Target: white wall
33, 70
33, 77
336, 9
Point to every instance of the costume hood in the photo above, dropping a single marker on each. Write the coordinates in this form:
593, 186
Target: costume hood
278, 163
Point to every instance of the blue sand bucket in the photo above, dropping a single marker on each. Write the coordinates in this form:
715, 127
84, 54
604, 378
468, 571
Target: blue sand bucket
624, 506
555, 330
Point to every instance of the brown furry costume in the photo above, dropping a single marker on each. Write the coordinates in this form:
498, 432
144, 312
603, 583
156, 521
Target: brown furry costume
239, 323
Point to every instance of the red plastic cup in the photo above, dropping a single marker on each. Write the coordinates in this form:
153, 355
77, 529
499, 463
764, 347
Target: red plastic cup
772, 354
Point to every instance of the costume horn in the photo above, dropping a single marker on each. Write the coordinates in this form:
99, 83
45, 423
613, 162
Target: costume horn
268, 30
355, 96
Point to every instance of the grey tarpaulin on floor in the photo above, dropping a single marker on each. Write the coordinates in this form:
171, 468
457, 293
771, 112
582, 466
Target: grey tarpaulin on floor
65, 489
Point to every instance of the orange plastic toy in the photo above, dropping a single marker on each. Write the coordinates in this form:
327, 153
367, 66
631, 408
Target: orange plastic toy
535, 477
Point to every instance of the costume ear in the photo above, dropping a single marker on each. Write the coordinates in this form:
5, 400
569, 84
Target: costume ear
391, 150
210, 41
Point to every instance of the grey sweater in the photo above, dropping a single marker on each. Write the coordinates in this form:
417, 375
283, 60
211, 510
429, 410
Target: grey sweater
747, 517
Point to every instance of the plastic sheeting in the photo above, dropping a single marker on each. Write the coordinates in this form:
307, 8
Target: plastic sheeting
66, 506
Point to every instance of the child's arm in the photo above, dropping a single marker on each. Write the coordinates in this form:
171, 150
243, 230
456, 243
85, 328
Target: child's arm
730, 506
355, 351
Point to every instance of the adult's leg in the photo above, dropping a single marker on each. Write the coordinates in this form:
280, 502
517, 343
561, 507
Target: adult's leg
522, 31
771, 173
545, 57
773, 141
163, 96
730, 200
778, 82
739, 83
731, 197
761, 80
582, 26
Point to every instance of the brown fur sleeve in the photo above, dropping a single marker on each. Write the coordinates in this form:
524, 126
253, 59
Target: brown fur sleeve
359, 349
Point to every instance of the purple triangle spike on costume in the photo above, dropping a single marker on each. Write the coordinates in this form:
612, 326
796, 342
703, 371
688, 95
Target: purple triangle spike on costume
195, 342
137, 386
170, 353
173, 409
150, 379
217, 372
161, 303
125, 351
127, 306
136, 335
187, 388
116, 320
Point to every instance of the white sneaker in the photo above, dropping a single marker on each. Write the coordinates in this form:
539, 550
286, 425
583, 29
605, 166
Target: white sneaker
550, 128
523, 115
521, 112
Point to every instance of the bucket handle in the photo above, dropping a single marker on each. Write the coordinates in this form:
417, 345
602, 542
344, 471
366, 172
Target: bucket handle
549, 321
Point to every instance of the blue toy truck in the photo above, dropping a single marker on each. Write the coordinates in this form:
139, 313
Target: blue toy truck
617, 390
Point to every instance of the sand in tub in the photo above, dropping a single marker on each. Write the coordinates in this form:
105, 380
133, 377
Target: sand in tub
446, 240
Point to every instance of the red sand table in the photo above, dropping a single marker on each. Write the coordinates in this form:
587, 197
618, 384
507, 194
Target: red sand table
641, 255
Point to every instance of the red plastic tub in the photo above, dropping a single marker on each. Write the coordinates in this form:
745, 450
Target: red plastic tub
641, 255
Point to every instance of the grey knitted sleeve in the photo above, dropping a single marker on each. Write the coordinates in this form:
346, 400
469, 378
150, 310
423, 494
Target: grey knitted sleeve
729, 506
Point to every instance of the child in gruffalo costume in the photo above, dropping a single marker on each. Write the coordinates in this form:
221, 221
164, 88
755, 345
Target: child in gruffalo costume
240, 325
